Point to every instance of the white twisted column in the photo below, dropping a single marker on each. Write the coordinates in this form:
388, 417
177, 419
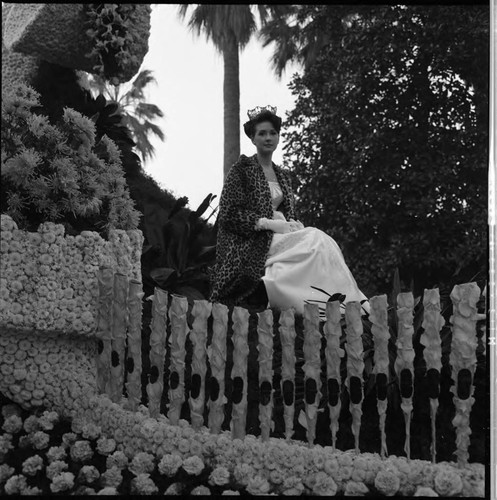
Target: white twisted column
288, 360
404, 363
198, 335
334, 353
432, 324
134, 359
217, 360
240, 319
379, 328
463, 362
118, 336
355, 365
265, 348
179, 331
157, 353
312, 368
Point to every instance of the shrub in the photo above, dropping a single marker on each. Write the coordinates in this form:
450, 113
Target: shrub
57, 172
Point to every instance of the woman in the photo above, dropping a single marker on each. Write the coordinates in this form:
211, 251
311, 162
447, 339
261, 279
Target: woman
259, 238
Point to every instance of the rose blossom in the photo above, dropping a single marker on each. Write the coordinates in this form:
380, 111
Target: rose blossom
32, 465
69, 438
219, 476
40, 440
56, 453
105, 446
143, 485
355, 488
31, 491
12, 424
324, 485
108, 490
61, 482
91, 431
242, 472
5, 472
15, 485
387, 482
257, 485
81, 451
88, 474
169, 465
292, 486
174, 489
448, 483
55, 468
200, 490
193, 465
118, 459
31, 424
424, 491
142, 463
112, 477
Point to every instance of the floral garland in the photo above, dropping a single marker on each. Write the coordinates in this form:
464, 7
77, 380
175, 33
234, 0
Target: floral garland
144, 455
108, 28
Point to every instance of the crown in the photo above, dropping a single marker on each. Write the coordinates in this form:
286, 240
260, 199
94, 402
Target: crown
252, 113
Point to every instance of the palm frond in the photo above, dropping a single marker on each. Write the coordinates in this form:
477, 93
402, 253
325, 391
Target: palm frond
147, 110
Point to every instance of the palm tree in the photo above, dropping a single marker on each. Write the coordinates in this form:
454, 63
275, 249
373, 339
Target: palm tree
302, 31
230, 28
138, 114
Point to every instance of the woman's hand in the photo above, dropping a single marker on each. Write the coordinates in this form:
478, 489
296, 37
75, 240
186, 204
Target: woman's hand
298, 223
278, 215
280, 226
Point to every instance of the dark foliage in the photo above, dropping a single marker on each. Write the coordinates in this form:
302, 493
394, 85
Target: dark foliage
388, 141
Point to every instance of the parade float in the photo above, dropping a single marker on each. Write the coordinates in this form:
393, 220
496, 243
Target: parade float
77, 416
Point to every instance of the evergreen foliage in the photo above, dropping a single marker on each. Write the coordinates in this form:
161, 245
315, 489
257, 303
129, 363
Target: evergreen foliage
58, 171
388, 141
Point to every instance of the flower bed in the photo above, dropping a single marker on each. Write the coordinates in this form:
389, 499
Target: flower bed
107, 449
49, 281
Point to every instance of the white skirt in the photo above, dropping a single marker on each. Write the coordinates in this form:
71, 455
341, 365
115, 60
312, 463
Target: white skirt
307, 257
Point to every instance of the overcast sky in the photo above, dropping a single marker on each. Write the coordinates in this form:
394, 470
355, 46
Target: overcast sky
189, 90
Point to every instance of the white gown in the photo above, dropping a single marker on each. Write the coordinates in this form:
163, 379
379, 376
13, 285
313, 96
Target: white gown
303, 258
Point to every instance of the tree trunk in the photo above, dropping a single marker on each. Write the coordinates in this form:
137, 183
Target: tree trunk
231, 94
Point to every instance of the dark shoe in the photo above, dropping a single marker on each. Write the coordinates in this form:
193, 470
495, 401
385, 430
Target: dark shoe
258, 298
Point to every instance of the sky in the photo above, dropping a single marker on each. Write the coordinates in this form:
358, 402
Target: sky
189, 91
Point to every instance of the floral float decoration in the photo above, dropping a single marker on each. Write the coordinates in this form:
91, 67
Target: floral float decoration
80, 36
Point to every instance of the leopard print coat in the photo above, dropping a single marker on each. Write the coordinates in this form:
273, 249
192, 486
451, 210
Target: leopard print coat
241, 250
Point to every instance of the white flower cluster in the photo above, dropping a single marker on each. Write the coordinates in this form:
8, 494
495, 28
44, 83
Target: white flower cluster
50, 370
272, 467
49, 281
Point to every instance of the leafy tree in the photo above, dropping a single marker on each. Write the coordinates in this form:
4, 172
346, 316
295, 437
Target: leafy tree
138, 114
230, 28
388, 141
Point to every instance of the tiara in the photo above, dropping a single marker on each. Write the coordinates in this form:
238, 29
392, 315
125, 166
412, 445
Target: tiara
252, 113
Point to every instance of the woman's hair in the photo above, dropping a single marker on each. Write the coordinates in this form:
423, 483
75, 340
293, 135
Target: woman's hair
266, 115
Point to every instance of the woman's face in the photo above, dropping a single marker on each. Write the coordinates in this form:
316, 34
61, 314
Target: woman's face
266, 138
